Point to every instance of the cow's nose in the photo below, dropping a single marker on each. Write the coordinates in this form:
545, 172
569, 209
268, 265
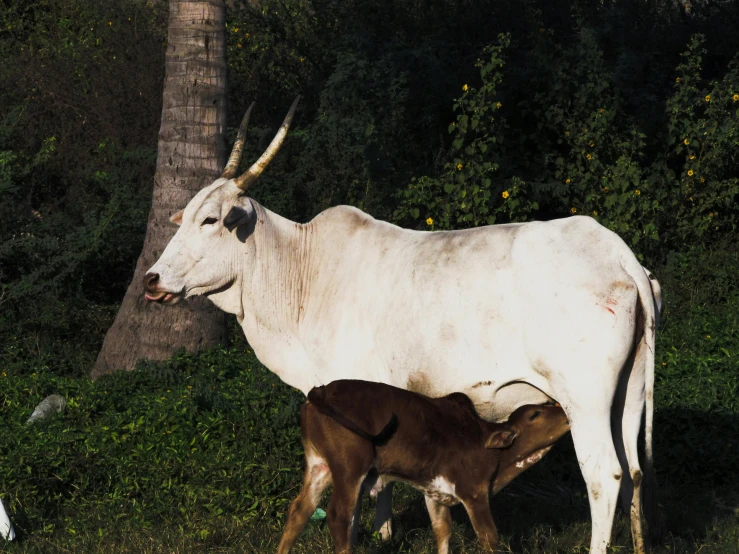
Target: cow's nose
150, 281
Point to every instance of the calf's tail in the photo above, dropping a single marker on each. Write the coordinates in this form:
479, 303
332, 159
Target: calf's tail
315, 397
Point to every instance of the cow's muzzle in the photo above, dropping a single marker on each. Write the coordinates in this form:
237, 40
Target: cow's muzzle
153, 293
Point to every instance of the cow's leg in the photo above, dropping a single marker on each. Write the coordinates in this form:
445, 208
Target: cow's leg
347, 485
482, 520
317, 478
627, 416
441, 521
384, 512
591, 432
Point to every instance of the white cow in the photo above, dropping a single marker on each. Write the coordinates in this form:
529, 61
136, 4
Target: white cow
507, 314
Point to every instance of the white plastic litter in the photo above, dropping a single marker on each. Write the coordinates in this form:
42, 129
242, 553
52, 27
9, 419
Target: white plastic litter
49, 405
6, 528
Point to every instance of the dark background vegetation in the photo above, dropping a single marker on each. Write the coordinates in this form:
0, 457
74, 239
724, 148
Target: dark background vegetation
432, 114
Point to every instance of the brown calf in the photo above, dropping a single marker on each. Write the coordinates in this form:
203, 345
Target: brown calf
440, 446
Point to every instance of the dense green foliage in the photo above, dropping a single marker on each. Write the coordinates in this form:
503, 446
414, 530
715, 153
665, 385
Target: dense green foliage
435, 115
77, 151
588, 155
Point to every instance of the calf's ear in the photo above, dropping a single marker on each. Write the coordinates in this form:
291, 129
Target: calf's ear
177, 217
500, 439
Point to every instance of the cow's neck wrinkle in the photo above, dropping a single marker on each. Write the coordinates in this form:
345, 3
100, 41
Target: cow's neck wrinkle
274, 284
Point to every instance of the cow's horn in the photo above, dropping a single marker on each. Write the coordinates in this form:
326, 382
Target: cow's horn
251, 175
229, 172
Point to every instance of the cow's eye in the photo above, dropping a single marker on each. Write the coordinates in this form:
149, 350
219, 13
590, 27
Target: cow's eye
536, 414
209, 221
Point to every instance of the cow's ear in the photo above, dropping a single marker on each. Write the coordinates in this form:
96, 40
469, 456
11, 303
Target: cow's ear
177, 217
240, 214
500, 439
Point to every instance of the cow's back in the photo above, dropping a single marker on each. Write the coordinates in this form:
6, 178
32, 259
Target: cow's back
461, 311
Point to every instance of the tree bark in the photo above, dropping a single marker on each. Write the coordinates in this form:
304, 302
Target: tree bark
191, 155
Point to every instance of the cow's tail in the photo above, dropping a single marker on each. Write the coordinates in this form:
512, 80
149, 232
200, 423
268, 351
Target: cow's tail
315, 397
642, 278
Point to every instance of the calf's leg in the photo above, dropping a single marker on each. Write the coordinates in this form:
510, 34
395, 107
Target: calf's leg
441, 521
344, 498
317, 478
482, 520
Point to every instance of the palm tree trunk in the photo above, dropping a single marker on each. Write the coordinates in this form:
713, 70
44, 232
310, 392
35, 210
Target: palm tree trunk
191, 155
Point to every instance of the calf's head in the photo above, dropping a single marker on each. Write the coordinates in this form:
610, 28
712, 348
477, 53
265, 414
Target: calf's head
526, 437
200, 257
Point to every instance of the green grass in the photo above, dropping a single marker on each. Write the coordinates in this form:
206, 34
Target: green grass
202, 453
528, 522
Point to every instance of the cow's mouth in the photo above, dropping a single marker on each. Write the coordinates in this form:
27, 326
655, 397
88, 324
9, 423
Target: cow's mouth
162, 297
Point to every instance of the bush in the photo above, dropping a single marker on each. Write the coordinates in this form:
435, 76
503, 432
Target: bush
77, 152
574, 149
181, 443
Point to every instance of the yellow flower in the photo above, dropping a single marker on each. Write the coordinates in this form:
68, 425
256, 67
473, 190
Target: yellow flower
574, 210
465, 88
708, 97
110, 23
664, 363
637, 192
595, 213
459, 167
592, 143
703, 179
690, 172
505, 194
710, 214
499, 105
239, 45
708, 336
605, 189
692, 156
686, 142
602, 110
567, 181
735, 98
236, 29
429, 221
589, 156
677, 80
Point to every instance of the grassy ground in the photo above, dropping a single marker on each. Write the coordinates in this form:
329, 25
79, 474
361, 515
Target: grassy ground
542, 518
